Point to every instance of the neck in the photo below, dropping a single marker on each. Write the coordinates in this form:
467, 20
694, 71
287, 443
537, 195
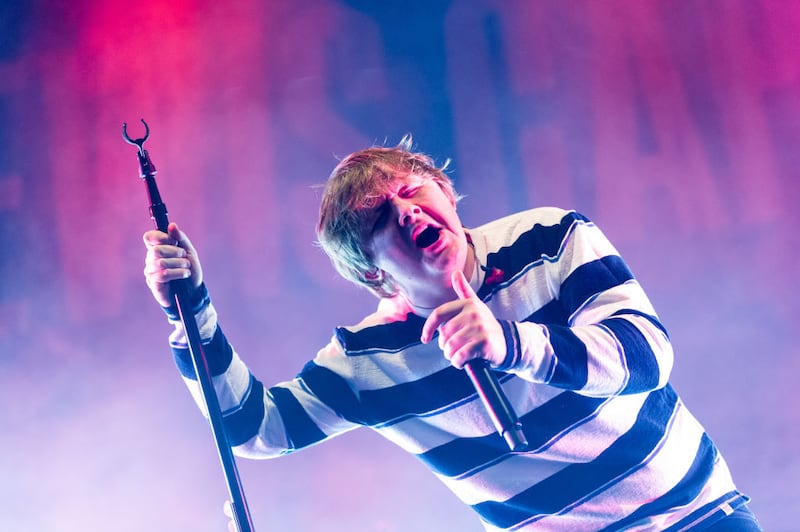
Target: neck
420, 310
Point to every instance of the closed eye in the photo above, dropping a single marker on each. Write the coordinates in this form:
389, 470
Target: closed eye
381, 212
409, 192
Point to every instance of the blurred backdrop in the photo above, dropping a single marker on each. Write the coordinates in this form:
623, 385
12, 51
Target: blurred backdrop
672, 124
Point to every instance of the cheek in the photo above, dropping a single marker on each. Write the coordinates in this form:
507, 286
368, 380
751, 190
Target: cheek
381, 250
392, 259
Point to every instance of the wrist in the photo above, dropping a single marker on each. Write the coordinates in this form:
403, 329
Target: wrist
198, 299
513, 347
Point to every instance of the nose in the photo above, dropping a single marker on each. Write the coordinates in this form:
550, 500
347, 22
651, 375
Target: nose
407, 211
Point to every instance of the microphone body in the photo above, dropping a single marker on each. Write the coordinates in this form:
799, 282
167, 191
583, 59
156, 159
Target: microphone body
497, 404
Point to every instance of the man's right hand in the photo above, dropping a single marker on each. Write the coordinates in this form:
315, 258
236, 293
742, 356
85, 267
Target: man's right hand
170, 256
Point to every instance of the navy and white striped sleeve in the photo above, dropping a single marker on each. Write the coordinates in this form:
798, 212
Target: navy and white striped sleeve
259, 422
611, 341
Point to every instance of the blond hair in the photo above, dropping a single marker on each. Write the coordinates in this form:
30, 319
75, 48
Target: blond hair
355, 187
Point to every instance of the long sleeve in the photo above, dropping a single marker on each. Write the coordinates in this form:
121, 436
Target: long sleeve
259, 422
612, 445
591, 329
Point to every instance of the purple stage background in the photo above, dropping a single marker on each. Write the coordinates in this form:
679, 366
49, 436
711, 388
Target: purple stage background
674, 125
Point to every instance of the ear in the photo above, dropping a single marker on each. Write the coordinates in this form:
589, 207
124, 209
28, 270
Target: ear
381, 284
374, 275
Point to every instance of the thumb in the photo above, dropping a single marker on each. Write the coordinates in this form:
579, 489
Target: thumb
461, 286
182, 241
180, 238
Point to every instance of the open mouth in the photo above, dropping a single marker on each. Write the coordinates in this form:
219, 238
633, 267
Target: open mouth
427, 237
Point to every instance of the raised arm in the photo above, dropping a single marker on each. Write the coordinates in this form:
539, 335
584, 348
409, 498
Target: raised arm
260, 422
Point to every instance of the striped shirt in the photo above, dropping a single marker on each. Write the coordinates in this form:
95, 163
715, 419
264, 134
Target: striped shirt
612, 447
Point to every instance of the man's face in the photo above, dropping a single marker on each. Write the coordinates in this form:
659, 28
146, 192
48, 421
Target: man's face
415, 235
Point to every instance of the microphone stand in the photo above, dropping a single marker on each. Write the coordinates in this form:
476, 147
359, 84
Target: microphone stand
181, 290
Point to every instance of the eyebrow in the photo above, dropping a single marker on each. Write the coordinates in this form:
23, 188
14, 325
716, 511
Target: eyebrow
375, 202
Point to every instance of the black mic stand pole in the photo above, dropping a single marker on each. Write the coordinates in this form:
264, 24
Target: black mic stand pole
181, 290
